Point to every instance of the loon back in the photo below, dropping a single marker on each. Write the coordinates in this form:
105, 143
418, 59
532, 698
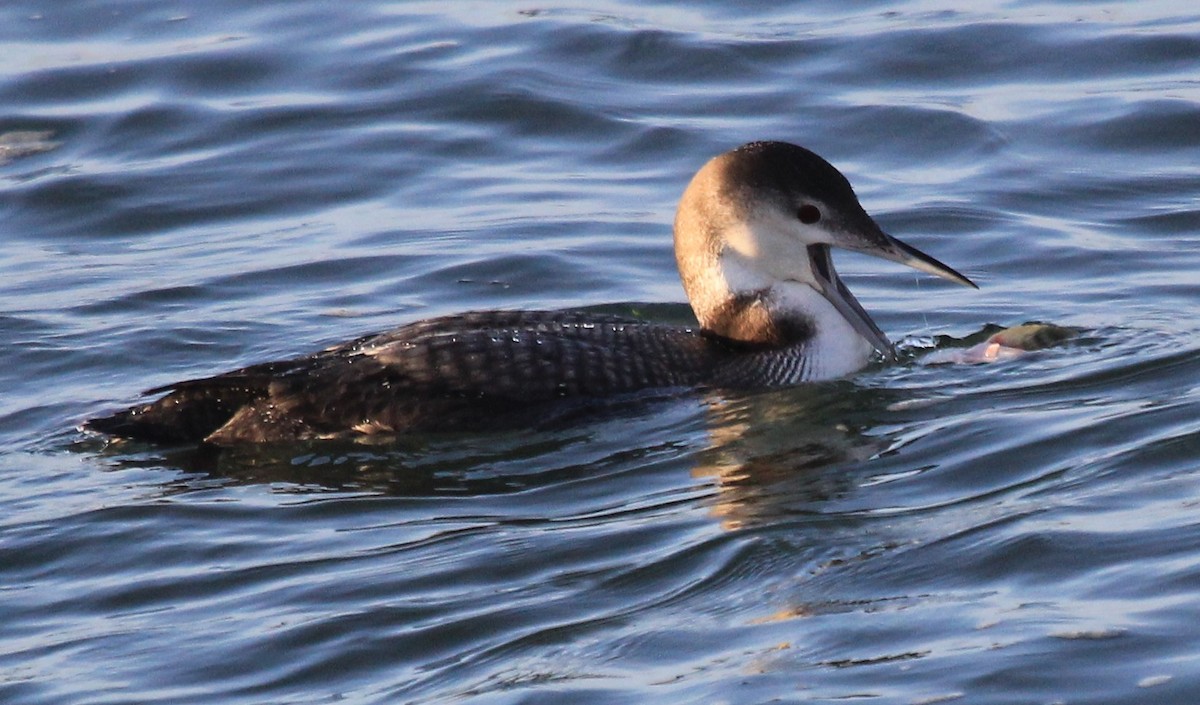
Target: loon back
472, 371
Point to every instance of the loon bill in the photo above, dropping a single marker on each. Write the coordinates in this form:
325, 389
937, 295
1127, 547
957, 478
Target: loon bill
753, 235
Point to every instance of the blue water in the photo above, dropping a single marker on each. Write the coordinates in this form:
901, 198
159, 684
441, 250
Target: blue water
190, 187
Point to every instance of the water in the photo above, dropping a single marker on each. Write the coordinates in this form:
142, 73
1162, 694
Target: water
194, 187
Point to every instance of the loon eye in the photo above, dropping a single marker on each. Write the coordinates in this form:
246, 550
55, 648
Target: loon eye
808, 214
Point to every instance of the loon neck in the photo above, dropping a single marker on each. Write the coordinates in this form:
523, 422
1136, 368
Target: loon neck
737, 300
832, 347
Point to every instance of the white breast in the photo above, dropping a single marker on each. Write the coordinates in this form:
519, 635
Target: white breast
836, 349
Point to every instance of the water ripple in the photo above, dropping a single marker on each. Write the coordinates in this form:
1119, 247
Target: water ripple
188, 190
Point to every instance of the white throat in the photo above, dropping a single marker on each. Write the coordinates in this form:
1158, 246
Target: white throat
835, 348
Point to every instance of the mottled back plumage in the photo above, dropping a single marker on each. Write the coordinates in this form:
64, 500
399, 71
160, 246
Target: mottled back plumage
465, 372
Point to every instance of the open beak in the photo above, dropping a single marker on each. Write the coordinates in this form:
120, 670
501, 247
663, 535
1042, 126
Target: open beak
837, 294
901, 252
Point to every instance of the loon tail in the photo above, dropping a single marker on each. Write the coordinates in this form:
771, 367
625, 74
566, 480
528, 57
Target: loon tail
189, 413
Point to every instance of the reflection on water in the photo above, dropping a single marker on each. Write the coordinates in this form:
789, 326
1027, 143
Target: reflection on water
777, 454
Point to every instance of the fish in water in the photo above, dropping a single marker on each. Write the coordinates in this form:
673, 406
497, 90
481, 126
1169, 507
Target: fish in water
753, 234
1005, 344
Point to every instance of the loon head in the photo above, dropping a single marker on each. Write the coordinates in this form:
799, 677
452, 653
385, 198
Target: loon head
752, 239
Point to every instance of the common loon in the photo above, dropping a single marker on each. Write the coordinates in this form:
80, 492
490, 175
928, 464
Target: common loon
753, 234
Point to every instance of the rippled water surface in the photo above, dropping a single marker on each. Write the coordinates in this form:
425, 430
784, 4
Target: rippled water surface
189, 187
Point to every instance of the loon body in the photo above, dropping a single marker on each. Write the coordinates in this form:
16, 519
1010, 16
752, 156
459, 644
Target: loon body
753, 234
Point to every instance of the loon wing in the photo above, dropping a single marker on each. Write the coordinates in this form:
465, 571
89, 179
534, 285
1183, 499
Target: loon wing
459, 372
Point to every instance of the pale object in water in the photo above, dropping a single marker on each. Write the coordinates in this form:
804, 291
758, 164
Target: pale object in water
22, 143
1007, 344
